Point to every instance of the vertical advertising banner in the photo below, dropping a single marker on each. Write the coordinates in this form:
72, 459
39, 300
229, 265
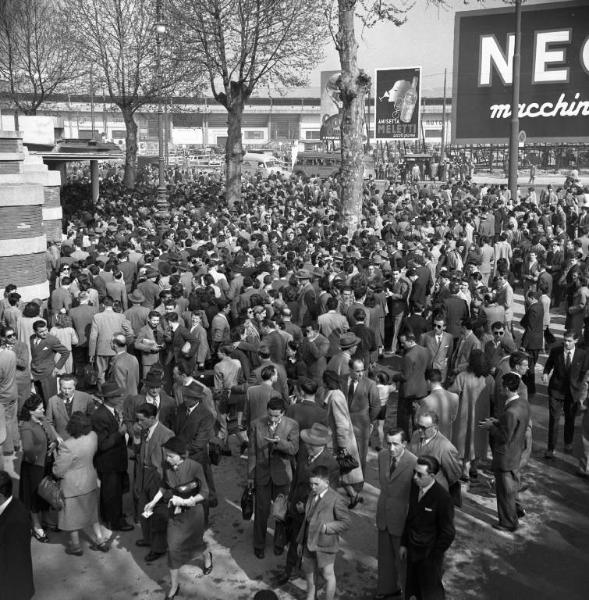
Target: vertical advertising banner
398, 97
331, 106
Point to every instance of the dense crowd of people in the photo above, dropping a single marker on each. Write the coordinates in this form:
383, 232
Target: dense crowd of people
269, 325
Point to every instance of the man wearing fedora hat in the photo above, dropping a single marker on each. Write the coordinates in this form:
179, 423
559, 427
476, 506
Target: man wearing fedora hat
111, 456
137, 315
152, 393
306, 298
149, 435
312, 453
340, 362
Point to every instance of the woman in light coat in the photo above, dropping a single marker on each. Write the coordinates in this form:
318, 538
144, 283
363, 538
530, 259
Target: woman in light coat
79, 484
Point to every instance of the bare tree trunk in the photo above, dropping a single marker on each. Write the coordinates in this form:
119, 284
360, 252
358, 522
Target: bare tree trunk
234, 147
354, 85
131, 148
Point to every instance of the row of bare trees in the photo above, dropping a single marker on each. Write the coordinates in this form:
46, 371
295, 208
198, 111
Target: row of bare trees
232, 47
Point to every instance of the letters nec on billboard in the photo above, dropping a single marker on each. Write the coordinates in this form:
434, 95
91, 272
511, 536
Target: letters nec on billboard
554, 89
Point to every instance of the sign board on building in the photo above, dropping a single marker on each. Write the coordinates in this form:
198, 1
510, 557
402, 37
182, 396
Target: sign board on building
331, 106
398, 98
37, 130
554, 74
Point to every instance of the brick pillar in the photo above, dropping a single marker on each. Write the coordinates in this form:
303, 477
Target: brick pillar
22, 240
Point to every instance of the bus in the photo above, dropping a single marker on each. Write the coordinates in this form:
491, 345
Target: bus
327, 164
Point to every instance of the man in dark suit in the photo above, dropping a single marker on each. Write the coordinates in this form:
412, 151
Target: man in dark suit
421, 284
152, 393
313, 452
111, 457
508, 434
69, 400
363, 403
326, 517
412, 379
395, 474
305, 411
274, 441
456, 310
16, 566
181, 346
367, 348
195, 427
533, 338
428, 533
567, 366
44, 347
81, 316
149, 435
416, 322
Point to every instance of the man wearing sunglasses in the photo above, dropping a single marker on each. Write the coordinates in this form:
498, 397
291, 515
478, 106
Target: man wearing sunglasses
440, 345
429, 532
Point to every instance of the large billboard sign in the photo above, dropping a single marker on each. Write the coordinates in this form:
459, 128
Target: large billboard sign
554, 73
331, 106
398, 97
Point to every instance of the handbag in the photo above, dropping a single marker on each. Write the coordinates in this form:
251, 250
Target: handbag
50, 490
279, 507
549, 336
89, 375
247, 503
214, 453
345, 461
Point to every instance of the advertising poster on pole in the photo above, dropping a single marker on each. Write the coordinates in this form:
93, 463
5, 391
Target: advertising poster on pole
398, 97
331, 106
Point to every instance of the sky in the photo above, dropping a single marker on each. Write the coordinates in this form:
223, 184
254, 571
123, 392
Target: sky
425, 40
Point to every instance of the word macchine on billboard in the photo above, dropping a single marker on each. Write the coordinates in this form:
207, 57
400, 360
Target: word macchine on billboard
554, 74
398, 97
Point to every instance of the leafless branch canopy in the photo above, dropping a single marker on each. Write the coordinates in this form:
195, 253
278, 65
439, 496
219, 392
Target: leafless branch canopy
242, 43
119, 41
36, 57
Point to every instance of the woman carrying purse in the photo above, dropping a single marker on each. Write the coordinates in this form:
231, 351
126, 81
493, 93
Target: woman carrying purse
38, 442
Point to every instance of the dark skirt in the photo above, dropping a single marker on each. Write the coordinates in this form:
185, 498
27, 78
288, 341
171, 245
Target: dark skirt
185, 533
30, 478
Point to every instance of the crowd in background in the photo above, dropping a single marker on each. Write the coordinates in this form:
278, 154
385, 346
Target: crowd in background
268, 323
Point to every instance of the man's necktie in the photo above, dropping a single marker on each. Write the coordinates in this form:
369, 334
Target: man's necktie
351, 391
68, 407
393, 465
567, 362
118, 416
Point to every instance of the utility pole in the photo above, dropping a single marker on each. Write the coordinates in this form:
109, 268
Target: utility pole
443, 144
162, 199
92, 101
514, 135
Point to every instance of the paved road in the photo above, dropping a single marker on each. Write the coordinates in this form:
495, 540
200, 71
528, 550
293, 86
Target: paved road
546, 559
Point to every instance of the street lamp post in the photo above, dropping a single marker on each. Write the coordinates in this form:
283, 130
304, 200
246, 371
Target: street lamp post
162, 195
514, 135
